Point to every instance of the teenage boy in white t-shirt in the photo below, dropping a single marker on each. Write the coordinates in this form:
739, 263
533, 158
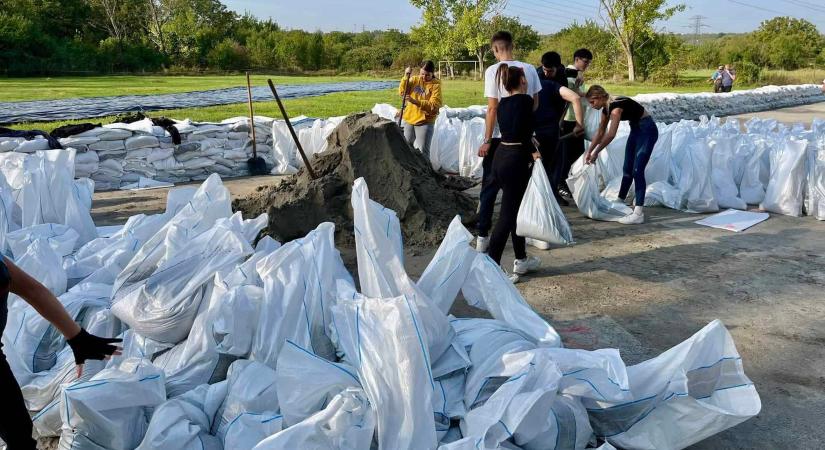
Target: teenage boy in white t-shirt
502, 45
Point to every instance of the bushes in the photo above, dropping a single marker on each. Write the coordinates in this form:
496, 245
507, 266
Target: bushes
228, 55
748, 72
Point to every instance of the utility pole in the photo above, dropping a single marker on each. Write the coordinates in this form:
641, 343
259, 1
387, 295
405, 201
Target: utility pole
696, 24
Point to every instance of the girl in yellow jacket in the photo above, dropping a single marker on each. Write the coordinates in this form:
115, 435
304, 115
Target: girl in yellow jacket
423, 103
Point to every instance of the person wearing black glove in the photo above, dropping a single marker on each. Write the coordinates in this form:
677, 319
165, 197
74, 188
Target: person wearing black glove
16, 425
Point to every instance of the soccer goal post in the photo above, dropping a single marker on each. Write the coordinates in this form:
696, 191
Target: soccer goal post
452, 69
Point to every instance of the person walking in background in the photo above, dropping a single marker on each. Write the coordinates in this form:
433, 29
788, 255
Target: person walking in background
573, 147
511, 164
728, 77
494, 90
16, 424
716, 79
423, 103
640, 143
554, 99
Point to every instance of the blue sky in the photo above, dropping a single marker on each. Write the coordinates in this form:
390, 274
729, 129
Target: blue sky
546, 16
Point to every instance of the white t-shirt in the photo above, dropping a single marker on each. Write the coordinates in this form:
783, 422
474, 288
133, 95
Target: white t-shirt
497, 91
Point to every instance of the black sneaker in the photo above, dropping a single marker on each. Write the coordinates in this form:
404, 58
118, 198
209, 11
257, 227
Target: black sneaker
565, 193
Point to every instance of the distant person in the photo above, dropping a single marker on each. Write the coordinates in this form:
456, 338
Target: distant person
640, 143
423, 104
495, 91
728, 77
572, 148
512, 162
823, 86
554, 99
716, 79
16, 424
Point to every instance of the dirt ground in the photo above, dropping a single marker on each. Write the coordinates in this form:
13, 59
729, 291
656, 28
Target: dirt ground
645, 288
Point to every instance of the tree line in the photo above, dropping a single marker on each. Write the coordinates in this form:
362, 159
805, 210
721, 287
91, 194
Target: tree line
111, 36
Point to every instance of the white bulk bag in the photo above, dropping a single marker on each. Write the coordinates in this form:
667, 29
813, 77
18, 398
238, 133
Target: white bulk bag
443, 277
697, 388
584, 185
784, 193
487, 287
722, 175
383, 339
539, 215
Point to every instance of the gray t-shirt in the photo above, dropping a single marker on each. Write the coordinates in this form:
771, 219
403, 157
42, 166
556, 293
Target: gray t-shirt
727, 78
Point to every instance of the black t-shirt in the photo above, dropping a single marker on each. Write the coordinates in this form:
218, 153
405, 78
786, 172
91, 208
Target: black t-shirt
515, 118
5, 280
631, 110
551, 107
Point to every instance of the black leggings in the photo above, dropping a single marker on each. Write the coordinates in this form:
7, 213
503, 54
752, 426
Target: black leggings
511, 169
15, 423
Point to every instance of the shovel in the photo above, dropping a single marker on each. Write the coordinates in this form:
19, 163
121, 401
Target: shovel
256, 164
404, 101
292, 130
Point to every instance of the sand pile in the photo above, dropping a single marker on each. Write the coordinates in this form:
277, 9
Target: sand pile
399, 177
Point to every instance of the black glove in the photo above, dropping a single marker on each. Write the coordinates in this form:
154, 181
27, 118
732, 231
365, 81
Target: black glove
87, 346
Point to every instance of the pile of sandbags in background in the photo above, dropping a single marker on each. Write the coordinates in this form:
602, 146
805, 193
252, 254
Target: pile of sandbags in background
710, 165
238, 343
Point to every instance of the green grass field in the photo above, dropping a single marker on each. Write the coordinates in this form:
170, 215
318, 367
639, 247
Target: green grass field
457, 93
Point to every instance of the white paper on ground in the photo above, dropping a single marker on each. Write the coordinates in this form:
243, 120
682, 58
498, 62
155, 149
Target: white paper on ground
734, 220
144, 184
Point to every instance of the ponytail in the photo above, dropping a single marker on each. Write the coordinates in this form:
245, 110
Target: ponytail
509, 77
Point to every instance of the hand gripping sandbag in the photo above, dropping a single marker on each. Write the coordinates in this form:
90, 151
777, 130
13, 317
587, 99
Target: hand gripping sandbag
539, 216
383, 339
688, 393
584, 185
381, 269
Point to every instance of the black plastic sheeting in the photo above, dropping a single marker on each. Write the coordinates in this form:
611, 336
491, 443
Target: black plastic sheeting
82, 108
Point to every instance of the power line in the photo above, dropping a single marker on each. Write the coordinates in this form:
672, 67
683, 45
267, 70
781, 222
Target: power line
697, 23
561, 6
531, 12
758, 7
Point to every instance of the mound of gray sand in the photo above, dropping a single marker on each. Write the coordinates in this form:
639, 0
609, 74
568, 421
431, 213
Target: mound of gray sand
398, 176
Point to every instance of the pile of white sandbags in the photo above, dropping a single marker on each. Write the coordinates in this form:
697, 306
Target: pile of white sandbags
235, 346
709, 165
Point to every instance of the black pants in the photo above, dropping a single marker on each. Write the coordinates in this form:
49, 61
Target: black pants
727, 88
551, 157
511, 170
15, 423
571, 148
489, 191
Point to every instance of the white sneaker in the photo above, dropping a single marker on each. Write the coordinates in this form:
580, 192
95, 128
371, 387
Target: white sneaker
513, 277
632, 219
482, 244
529, 264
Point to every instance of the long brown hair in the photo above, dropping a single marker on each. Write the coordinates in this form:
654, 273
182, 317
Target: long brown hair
509, 76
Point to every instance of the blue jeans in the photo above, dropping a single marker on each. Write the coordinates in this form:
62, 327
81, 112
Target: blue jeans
640, 143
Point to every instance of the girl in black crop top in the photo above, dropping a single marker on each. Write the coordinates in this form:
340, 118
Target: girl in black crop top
511, 165
640, 143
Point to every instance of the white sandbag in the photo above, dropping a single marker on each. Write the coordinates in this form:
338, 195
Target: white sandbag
695, 182
751, 188
698, 388
487, 287
444, 148
347, 422
10, 144
111, 132
784, 193
381, 269
298, 308
592, 120
306, 382
141, 141
108, 146
384, 339
44, 264
815, 198
249, 413
34, 145
60, 238
661, 193
611, 160
658, 167
444, 276
722, 174
163, 306
180, 424
470, 139
385, 111
584, 185
539, 215
111, 410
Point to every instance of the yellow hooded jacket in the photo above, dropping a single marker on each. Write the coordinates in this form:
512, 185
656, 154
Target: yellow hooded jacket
427, 93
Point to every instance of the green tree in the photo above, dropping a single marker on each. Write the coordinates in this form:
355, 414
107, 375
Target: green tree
790, 43
631, 22
588, 35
